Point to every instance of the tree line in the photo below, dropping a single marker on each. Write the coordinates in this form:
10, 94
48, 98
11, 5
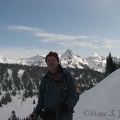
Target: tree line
12, 81
111, 64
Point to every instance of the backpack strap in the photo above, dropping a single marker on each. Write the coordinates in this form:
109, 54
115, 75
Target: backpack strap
64, 86
64, 82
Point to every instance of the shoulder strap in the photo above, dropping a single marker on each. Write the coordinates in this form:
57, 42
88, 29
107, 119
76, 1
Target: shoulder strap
64, 82
64, 86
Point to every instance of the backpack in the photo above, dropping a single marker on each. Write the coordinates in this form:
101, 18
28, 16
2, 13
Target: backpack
77, 86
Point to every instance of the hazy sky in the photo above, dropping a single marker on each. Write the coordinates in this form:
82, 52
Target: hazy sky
31, 27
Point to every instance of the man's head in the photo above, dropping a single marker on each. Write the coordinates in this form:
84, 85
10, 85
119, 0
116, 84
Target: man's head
52, 61
54, 54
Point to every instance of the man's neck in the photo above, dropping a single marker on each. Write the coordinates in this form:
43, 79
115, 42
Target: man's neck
54, 71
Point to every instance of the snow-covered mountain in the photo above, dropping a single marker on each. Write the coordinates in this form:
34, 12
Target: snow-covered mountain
116, 59
35, 60
5, 60
96, 62
99, 103
68, 58
74, 61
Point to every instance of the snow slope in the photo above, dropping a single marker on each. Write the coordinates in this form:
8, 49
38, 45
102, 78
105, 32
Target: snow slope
99, 103
102, 102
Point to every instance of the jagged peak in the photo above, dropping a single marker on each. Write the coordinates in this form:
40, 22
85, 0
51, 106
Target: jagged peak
95, 55
2, 57
69, 51
5, 60
68, 54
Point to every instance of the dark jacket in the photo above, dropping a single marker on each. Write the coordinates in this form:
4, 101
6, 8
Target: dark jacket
51, 93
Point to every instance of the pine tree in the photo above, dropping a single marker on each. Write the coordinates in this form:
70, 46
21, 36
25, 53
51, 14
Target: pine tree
34, 101
119, 65
109, 65
0, 104
8, 97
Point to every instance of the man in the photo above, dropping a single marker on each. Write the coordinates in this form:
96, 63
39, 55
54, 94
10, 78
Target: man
57, 94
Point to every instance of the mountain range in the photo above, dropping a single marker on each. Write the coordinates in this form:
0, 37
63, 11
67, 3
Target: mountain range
68, 59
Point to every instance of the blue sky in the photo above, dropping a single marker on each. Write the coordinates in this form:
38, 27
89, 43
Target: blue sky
31, 27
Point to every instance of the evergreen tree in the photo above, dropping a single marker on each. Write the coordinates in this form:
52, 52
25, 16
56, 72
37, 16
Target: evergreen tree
34, 101
0, 104
14, 92
16, 80
26, 94
8, 97
109, 64
119, 65
3, 100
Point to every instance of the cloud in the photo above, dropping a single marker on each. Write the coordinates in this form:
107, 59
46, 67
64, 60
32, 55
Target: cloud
23, 28
111, 43
86, 44
106, 46
50, 37
65, 40
79, 44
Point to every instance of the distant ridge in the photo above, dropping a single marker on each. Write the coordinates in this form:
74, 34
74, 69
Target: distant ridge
68, 59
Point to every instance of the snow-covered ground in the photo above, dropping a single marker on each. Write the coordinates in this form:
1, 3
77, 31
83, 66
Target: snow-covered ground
102, 102
22, 108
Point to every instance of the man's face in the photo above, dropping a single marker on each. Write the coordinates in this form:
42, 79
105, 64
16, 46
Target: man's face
52, 63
